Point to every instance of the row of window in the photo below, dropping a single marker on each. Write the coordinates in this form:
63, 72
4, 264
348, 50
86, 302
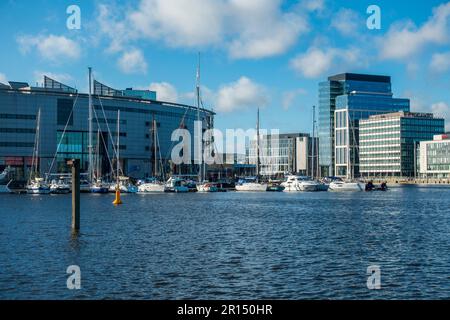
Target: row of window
17, 130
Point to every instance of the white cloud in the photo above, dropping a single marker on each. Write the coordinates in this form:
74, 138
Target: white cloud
405, 39
442, 110
164, 91
440, 62
51, 47
316, 62
313, 63
244, 93
3, 78
348, 22
133, 62
314, 5
245, 29
289, 97
262, 30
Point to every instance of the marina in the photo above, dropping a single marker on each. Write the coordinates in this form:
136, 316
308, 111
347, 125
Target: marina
307, 245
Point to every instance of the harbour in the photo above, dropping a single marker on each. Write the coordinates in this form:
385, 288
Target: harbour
229, 245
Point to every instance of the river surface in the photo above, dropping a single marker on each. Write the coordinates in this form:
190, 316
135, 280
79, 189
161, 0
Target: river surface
229, 245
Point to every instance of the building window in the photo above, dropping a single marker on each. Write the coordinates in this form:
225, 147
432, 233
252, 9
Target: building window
64, 111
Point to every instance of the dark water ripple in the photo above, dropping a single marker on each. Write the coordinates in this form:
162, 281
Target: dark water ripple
229, 246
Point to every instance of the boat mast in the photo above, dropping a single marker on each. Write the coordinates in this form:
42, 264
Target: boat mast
257, 146
90, 159
118, 147
155, 148
200, 173
313, 144
35, 159
349, 175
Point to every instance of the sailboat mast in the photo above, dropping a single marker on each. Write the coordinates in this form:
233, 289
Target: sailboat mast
118, 147
90, 158
348, 147
313, 144
200, 173
257, 145
38, 136
155, 148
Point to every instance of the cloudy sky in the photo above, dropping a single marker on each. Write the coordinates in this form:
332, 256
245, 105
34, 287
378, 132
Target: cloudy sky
266, 53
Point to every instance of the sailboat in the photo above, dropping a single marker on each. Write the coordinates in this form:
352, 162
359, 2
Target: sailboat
154, 185
253, 184
60, 186
123, 184
36, 185
349, 185
202, 185
4, 183
97, 185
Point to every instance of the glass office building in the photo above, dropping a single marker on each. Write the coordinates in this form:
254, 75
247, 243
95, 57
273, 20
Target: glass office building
64, 122
388, 142
343, 100
434, 158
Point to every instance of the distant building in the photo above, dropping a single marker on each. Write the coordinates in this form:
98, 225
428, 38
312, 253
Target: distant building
344, 97
291, 154
388, 142
434, 158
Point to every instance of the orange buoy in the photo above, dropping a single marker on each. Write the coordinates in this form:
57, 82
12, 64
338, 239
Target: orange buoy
117, 201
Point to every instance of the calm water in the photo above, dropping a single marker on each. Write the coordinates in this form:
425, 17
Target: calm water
229, 246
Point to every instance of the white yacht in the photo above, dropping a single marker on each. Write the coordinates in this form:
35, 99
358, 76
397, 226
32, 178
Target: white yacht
346, 186
151, 187
251, 185
297, 184
125, 186
207, 187
60, 186
38, 186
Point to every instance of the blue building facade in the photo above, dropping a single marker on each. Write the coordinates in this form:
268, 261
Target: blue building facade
64, 123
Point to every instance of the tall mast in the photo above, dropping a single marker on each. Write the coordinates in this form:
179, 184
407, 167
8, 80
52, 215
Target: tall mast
35, 160
155, 148
349, 165
118, 146
90, 170
200, 173
313, 144
257, 145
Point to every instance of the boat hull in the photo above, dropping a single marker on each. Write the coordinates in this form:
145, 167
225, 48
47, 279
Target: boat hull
346, 187
151, 188
204, 188
251, 187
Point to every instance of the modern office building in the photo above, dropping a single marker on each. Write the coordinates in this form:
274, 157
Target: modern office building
291, 153
434, 158
64, 124
388, 142
344, 100
354, 97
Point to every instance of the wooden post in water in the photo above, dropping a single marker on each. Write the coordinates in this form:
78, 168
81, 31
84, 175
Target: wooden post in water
75, 164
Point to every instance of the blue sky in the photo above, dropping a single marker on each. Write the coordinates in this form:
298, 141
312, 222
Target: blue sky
266, 53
